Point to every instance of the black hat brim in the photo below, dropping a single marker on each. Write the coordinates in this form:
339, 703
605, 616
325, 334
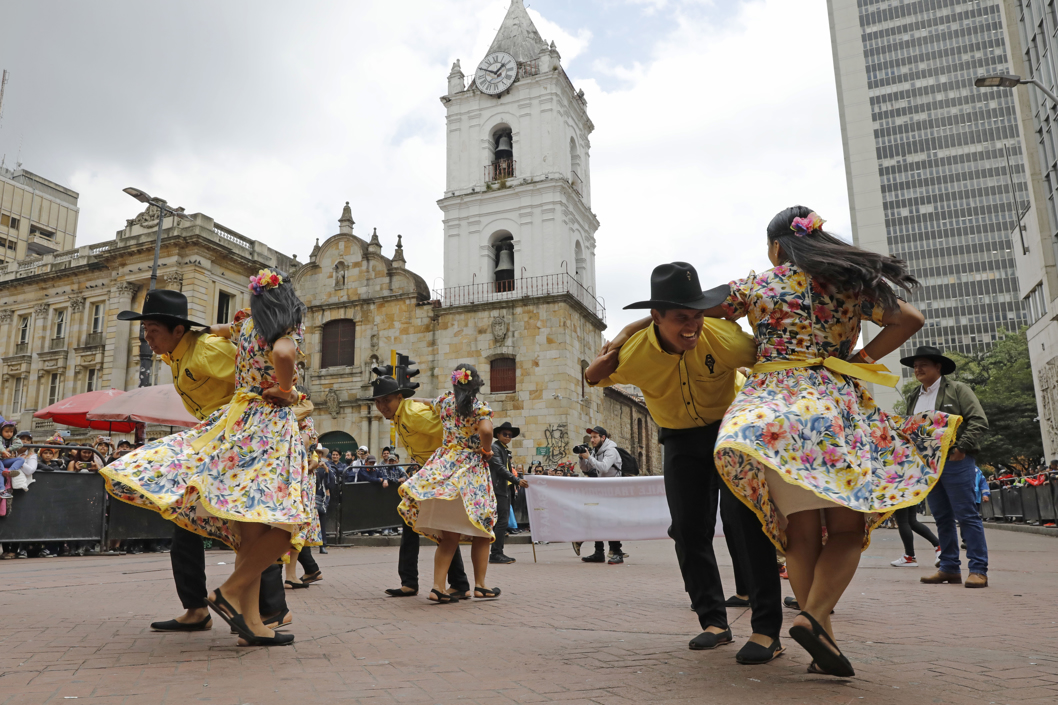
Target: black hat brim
406, 393
176, 320
947, 365
506, 426
709, 298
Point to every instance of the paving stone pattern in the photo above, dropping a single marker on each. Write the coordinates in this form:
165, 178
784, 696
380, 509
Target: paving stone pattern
76, 630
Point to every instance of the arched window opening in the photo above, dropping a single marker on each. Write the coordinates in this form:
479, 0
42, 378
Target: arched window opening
503, 263
502, 148
639, 432
339, 338
580, 261
503, 376
574, 167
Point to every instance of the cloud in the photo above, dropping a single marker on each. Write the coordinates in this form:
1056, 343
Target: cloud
269, 118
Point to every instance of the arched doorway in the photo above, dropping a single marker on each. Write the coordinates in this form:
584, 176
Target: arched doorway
339, 441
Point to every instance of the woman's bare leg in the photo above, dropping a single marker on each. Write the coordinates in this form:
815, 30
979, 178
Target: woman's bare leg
442, 560
803, 545
479, 556
835, 566
260, 546
291, 568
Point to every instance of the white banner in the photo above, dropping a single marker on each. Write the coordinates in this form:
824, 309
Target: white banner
599, 509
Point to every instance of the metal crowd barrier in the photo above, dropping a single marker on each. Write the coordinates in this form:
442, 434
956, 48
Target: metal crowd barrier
1030, 504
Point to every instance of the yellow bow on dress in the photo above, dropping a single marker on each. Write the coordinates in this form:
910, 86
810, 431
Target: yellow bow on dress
878, 374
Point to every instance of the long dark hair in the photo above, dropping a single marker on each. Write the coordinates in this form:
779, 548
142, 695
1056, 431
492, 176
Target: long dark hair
840, 265
467, 392
277, 311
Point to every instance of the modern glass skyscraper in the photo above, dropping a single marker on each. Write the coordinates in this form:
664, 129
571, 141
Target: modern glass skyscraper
934, 165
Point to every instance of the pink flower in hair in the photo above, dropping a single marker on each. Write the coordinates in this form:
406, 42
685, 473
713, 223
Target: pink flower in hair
807, 225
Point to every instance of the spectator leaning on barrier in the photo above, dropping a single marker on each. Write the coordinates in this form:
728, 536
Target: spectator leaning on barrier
952, 499
601, 460
9, 460
48, 458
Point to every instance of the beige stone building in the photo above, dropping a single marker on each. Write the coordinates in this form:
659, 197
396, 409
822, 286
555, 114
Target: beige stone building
37, 216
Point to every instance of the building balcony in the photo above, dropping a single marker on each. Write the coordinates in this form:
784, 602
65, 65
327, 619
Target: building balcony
22, 349
57, 343
526, 288
501, 170
93, 340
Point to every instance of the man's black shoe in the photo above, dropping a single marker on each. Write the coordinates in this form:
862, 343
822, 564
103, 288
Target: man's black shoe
708, 640
323, 549
500, 558
595, 558
753, 654
616, 559
736, 601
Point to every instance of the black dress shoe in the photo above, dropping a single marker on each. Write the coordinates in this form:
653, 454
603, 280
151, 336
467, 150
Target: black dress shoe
736, 601
171, 625
501, 559
323, 549
595, 558
708, 640
398, 592
753, 654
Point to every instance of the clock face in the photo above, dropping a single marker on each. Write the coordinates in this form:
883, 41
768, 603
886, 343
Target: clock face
496, 73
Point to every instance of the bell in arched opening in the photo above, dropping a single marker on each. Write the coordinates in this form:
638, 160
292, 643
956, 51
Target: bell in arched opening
504, 151
504, 272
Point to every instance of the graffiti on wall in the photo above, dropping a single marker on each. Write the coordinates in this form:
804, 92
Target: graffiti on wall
556, 439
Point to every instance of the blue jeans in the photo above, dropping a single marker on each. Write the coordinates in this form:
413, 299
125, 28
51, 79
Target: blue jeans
951, 501
10, 464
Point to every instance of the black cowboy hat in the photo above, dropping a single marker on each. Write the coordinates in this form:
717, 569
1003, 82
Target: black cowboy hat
506, 426
675, 285
947, 365
385, 385
163, 305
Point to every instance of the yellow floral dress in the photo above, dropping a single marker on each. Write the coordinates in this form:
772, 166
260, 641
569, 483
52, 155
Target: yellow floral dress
453, 490
246, 462
812, 427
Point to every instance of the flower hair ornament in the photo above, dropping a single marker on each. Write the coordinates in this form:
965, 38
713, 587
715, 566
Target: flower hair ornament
461, 376
808, 225
265, 279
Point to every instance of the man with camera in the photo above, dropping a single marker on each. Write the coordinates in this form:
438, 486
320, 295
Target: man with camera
601, 460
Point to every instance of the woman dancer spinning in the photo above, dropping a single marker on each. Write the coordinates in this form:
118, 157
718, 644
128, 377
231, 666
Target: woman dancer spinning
804, 435
451, 497
241, 475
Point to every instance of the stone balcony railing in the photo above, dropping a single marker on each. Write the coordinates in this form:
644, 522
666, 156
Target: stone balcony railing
93, 340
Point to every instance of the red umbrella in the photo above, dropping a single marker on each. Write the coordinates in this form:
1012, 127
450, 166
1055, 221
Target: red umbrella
160, 405
74, 411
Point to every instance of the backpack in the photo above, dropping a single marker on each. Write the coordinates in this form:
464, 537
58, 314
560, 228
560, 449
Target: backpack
629, 465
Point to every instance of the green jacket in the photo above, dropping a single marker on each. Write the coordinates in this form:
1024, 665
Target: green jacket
957, 398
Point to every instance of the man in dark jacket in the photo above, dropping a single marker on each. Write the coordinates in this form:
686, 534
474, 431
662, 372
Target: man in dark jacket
500, 466
952, 499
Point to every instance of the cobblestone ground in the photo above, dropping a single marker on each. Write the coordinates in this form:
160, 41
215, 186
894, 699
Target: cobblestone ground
77, 628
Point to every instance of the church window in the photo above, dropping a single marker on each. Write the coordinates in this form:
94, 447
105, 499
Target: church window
639, 432
503, 165
503, 270
338, 343
502, 375
579, 261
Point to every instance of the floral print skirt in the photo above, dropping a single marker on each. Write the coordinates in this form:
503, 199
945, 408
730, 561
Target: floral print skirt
460, 476
822, 432
257, 472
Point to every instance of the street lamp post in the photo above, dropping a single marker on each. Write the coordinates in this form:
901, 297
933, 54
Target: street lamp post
163, 208
1011, 81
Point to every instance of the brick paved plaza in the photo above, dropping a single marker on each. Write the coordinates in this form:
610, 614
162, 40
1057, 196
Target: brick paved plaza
563, 631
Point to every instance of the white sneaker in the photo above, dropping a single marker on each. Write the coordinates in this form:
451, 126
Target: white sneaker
936, 563
905, 562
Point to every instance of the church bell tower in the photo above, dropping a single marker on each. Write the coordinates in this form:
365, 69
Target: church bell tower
517, 201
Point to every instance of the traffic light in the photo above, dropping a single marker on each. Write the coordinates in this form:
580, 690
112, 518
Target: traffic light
384, 371
405, 371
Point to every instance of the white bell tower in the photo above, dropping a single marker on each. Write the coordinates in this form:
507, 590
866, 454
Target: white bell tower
517, 201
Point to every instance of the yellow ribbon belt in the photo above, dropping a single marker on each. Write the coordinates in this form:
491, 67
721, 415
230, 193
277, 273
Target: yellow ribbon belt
225, 423
878, 374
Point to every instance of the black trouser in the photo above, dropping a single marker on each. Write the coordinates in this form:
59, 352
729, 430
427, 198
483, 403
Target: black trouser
907, 522
615, 547
188, 556
323, 526
503, 513
307, 561
692, 488
408, 564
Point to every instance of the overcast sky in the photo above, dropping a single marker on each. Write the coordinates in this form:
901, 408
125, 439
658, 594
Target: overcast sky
710, 116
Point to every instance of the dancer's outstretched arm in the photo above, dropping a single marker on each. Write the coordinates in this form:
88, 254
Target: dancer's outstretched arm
221, 329
898, 326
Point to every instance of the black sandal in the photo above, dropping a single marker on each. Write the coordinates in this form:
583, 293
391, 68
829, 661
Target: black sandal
277, 640
486, 593
294, 584
309, 578
833, 664
234, 619
443, 598
814, 668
